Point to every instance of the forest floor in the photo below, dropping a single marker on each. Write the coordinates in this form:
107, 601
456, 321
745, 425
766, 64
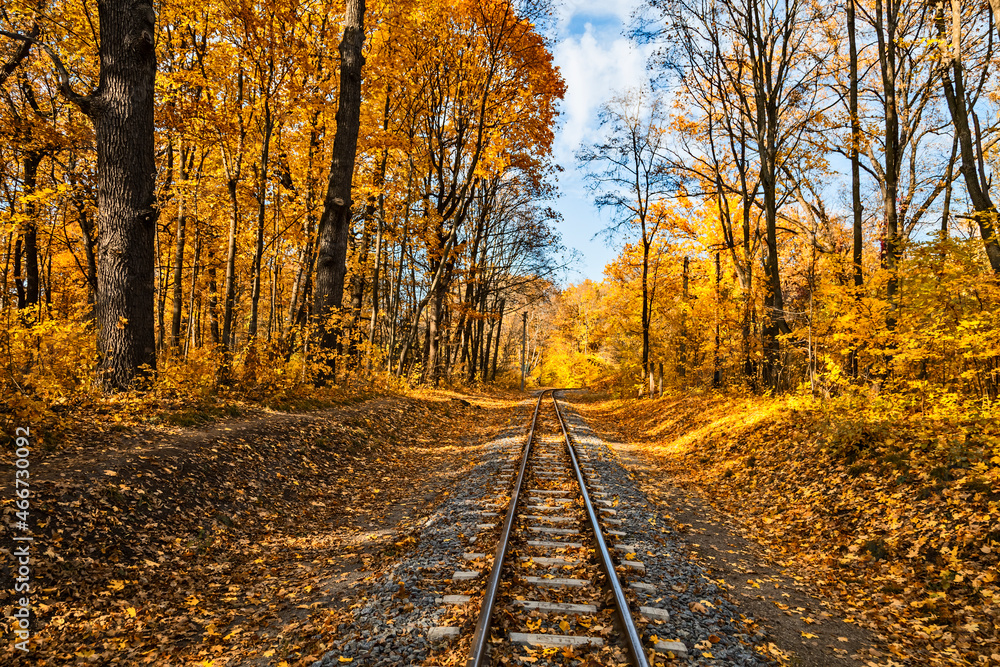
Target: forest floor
883, 553
248, 538
242, 541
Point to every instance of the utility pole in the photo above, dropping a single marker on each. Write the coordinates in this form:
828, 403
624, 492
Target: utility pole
717, 375
524, 345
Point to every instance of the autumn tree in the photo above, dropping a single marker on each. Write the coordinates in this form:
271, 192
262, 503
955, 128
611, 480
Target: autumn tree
451, 177
970, 38
334, 224
121, 109
628, 173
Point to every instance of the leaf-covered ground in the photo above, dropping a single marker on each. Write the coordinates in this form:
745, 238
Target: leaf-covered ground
898, 526
243, 542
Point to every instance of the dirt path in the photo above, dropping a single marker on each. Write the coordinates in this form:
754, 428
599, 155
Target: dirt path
244, 542
800, 627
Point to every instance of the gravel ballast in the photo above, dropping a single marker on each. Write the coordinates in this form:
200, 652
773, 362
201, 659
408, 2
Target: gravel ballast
405, 614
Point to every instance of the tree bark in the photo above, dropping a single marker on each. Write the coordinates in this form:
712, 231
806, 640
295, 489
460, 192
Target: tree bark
89, 248
258, 254
213, 299
645, 299
298, 311
230, 288
885, 31
858, 240
359, 265
18, 277
977, 181
189, 335
432, 290
856, 206
30, 230
178, 292
373, 320
122, 112
335, 222
496, 348
234, 172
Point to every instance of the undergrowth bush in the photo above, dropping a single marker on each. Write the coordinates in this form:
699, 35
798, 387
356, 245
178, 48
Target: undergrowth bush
49, 369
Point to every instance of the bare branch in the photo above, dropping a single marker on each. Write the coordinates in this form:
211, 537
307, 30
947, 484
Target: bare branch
84, 102
19, 56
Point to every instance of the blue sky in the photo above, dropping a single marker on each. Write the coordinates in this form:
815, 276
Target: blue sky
596, 61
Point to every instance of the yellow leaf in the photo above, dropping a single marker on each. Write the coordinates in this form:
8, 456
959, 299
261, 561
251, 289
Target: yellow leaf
268, 653
809, 635
564, 626
343, 659
131, 612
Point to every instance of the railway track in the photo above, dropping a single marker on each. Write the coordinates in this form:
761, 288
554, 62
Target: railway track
555, 580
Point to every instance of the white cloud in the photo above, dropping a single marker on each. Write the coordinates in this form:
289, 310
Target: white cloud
595, 65
570, 8
596, 61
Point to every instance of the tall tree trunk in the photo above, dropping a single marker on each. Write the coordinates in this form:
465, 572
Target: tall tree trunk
178, 291
772, 297
5, 294
335, 223
159, 289
30, 229
258, 253
234, 173
230, 288
213, 299
189, 334
856, 206
434, 333
89, 249
393, 315
645, 297
856, 254
358, 278
885, 31
487, 346
178, 295
18, 278
373, 320
949, 179
122, 111
436, 284
977, 180
496, 350
749, 308
298, 310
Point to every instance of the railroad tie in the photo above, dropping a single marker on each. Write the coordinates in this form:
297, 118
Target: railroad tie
557, 582
563, 499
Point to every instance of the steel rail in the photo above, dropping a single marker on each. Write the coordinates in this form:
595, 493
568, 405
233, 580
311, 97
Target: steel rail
477, 653
632, 638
